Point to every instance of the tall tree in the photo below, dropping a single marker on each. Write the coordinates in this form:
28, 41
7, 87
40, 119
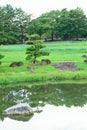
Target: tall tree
62, 25
6, 20
21, 22
77, 23
45, 24
72, 24
36, 27
51, 18
13, 24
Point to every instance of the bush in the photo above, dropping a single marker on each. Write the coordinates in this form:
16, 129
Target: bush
35, 50
1, 56
34, 37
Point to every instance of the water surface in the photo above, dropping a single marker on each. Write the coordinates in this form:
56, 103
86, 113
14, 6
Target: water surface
59, 107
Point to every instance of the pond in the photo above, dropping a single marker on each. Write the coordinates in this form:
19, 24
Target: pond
58, 107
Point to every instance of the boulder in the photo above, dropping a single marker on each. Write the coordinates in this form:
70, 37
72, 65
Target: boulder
84, 56
85, 61
45, 61
14, 64
19, 109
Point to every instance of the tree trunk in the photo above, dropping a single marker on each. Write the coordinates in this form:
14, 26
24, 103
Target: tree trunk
22, 34
34, 61
52, 34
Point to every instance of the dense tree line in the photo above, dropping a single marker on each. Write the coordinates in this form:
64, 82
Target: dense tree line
62, 25
13, 24
16, 26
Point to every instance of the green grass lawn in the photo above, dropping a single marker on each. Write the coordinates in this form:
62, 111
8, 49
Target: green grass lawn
59, 51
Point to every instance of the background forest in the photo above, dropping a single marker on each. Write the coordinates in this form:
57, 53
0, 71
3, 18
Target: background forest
16, 26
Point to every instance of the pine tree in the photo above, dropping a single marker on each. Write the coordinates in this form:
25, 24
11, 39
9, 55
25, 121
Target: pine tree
35, 50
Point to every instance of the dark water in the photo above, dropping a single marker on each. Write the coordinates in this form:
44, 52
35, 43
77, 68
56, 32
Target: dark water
60, 107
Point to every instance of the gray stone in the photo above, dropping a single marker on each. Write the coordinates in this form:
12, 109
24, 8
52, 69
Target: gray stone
19, 109
15, 64
45, 61
85, 61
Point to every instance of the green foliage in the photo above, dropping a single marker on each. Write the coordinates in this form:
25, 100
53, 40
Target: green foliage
1, 56
62, 25
13, 24
35, 50
34, 37
45, 24
16, 25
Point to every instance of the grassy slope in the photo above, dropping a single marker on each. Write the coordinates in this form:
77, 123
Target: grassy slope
59, 51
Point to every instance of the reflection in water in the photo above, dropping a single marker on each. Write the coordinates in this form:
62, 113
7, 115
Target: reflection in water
20, 117
18, 96
38, 96
52, 118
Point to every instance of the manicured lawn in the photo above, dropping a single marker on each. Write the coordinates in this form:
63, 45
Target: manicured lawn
59, 51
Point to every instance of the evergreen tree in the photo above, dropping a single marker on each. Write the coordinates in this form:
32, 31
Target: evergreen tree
35, 50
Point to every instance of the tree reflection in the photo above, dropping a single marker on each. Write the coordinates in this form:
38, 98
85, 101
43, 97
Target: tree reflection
36, 96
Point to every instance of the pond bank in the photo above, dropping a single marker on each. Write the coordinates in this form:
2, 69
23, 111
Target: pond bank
34, 78
30, 84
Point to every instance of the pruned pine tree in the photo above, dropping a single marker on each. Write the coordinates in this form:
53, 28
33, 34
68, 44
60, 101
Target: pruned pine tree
35, 50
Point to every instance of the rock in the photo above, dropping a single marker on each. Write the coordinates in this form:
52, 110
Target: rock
84, 56
85, 61
45, 61
19, 63
14, 64
19, 109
